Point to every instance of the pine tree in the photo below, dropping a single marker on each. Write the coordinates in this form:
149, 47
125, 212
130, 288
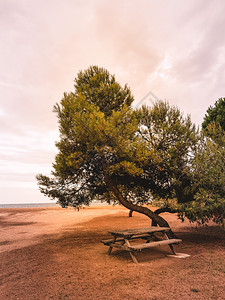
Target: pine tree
101, 155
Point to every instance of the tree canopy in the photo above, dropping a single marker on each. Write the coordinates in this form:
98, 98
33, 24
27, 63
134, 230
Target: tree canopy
208, 169
215, 114
111, 152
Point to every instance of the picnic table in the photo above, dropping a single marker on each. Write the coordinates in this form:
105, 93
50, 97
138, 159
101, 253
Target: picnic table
121, 239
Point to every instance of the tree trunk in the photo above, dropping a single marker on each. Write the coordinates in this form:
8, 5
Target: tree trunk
129, 205
162, 210
130, 213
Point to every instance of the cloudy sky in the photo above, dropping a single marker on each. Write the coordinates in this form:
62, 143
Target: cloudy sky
172, 48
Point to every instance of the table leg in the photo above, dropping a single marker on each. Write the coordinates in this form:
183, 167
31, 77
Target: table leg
170, 245
110, 247
110, 250
131, 253
172, 249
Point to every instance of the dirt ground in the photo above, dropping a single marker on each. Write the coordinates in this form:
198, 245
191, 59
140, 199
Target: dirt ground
54, 253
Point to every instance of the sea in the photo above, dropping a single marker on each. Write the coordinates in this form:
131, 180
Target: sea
23, 205
26, 205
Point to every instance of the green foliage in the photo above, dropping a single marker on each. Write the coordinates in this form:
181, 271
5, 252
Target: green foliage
215, 114
209, 174
208, 169
100, 88
172, 138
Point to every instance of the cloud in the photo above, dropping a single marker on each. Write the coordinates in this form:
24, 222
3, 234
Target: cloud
23, 156
125, 33
38, 56
207, 41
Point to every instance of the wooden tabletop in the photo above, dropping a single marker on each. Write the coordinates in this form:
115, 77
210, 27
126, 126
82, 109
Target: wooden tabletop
137, 231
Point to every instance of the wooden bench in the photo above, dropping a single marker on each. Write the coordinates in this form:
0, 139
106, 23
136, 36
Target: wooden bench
154, 244
121, 240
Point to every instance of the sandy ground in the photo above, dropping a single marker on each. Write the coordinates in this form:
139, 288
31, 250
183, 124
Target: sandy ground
54, 253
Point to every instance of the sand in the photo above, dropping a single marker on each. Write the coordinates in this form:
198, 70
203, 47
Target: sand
55, 253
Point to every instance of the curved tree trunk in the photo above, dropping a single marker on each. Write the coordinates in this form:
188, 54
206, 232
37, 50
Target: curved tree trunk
162, 210
133, 207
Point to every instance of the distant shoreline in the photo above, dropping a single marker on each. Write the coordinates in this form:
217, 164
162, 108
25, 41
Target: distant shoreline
25, 205
33, 205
